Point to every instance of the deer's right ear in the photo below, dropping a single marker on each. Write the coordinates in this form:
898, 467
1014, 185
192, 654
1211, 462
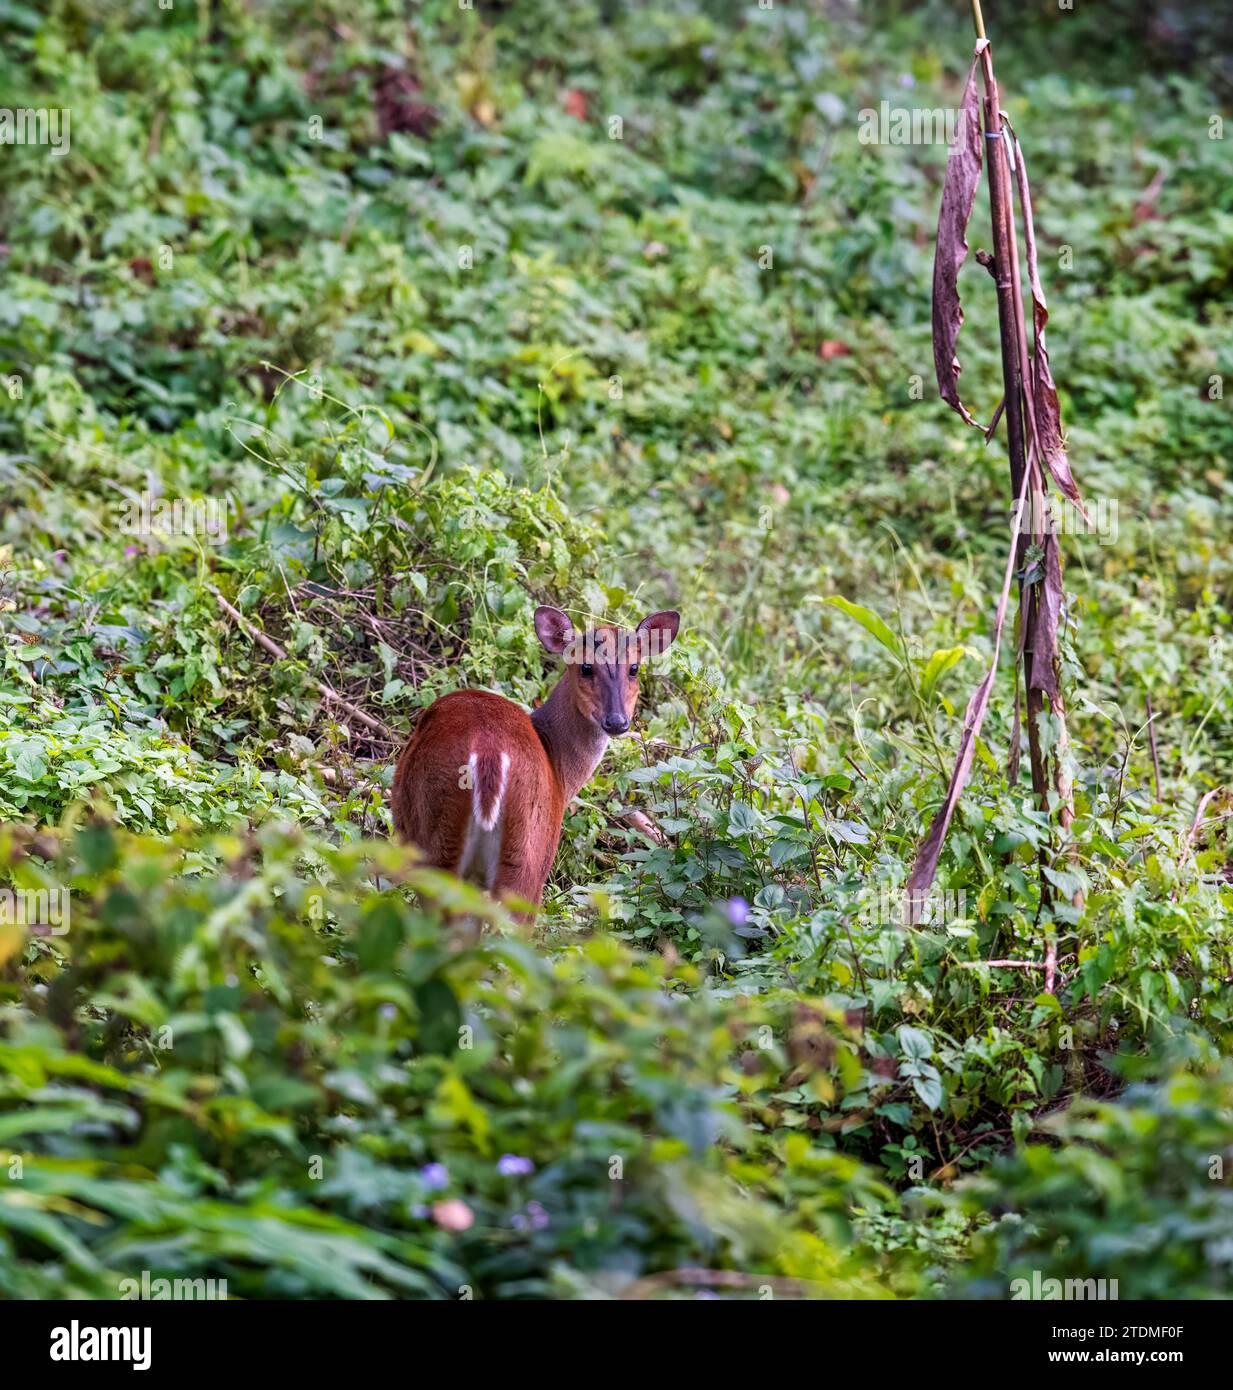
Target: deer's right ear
554, 629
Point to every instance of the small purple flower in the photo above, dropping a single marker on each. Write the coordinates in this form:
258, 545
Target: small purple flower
738, 911
435, 1176
130, 551
514, 1166
535, 1218
388, 1011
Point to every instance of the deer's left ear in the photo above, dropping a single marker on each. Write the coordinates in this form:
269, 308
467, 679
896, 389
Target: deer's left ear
658, 632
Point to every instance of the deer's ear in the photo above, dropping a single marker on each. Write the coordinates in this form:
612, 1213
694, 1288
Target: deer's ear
658, 632
554, 629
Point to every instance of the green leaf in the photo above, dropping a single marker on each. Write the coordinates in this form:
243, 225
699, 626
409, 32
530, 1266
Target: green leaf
870, 621
784, 851
1067, 882
915, 1044
940, 662
29, 763
929, 1089
379, 936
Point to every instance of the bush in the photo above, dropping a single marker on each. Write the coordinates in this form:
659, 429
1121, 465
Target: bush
1139, 1191
244, 1061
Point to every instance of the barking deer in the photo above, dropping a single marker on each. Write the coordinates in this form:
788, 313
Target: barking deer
481, 787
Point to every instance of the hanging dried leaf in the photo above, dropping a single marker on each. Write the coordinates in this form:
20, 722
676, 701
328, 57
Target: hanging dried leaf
1047, 413
1043, 675
926, 866
963, 167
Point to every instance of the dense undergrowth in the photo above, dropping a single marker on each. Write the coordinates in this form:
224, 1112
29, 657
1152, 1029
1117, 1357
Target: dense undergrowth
387, 290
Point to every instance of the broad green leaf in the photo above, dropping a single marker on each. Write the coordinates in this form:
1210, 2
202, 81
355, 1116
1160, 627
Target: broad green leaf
940, 662
870, 621
915, 1044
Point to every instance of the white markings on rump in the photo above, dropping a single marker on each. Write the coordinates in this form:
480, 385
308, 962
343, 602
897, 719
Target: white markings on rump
481, 851
477, 792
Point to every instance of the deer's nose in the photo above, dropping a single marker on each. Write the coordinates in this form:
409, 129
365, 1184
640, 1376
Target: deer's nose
615, 723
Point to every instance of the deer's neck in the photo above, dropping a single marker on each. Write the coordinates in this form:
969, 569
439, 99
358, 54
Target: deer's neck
574, 745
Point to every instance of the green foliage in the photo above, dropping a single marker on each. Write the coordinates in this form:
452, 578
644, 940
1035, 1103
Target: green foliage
389, 288
243, 1061
1138, 1191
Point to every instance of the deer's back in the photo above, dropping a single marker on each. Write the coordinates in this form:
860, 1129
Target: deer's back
474, 789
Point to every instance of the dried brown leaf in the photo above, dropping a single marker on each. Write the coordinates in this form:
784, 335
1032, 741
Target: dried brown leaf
1048, 416
963, 167
1043, 674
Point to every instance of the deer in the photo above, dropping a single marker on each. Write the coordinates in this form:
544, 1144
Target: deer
481, 787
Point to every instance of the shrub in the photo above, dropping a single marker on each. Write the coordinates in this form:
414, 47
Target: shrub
245, 1061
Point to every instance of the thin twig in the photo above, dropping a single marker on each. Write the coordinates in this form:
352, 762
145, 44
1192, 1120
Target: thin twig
1194, 825
1002, 964
256, 635
855, 768
1151, 735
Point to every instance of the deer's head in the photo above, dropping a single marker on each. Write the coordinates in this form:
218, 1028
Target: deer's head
602, 664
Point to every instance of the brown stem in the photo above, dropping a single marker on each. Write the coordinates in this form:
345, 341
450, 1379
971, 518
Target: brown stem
1005, 271
1016, 377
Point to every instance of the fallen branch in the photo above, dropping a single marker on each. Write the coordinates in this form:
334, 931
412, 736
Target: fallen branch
643, 824
327, 691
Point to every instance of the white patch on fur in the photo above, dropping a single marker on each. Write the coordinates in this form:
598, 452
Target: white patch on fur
476, 798
481, 852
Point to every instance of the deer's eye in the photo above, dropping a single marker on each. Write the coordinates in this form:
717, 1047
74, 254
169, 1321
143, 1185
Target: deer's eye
633, 672
586, 672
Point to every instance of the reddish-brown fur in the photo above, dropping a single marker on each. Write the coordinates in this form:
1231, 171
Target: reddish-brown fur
481, 786
432, 800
